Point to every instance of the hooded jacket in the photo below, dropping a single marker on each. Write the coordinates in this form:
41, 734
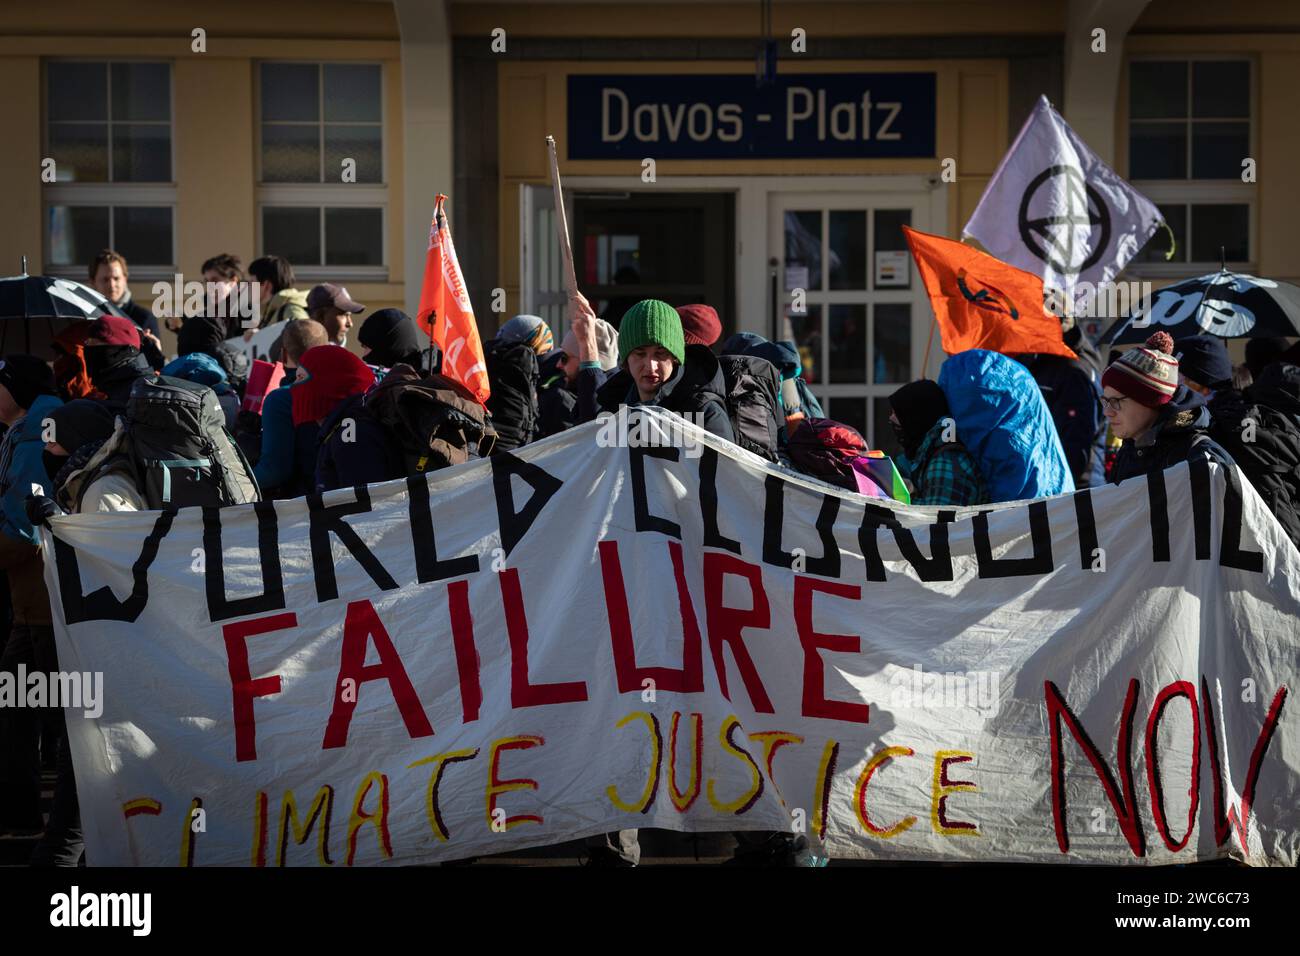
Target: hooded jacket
284, 305
696, 387
1179, 434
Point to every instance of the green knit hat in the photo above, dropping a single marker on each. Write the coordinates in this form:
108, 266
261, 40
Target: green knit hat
651, 322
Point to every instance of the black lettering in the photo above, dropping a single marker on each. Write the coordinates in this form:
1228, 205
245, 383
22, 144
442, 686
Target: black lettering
1201, 518
645, 521
1159, 507
325, 521
828, 565
515, 524
1040, 532
713, 538
1231, 553
428, 567
101, 604
1087, 525
220, 607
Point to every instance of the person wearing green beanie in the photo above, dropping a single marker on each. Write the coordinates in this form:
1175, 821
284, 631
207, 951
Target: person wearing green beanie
657, 367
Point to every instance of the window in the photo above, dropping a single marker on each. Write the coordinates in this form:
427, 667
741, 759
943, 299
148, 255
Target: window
108, 133
321, 194
1190, 133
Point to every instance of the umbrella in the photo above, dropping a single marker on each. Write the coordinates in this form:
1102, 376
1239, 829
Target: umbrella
1230, 305
24, 297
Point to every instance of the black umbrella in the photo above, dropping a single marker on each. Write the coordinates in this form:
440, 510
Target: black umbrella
52, 299
1231, 305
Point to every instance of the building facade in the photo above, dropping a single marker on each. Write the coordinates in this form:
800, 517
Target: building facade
762, 159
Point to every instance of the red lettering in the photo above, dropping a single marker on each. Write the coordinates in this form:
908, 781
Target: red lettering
360, 625
726, 623
243, 687
815, 703
1238, 822
1182, 688
467, 660
1126, 807
522, 693
689, 679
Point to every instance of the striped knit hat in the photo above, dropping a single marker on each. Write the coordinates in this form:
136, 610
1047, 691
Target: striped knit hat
1148, 375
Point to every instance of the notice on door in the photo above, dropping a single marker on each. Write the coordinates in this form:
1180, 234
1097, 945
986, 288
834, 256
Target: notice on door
892, 270
812, 115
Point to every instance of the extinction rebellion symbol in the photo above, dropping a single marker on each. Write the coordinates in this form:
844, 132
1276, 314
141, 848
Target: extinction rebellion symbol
1052, 237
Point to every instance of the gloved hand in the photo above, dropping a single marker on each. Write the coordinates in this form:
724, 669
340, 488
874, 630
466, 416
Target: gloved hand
40, 509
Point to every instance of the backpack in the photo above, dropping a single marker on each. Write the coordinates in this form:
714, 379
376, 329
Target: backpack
1271, 462
436, 421
753, 402
512, 375
173, 445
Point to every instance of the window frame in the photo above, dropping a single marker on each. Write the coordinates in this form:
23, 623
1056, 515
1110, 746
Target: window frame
1190, 192
324, 194
109, 193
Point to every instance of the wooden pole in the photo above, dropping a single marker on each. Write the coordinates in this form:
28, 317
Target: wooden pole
562, 223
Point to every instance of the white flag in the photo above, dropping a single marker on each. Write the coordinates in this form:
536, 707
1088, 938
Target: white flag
1054, 209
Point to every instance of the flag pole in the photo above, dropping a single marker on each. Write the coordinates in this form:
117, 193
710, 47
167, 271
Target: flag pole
925, 363
562, 223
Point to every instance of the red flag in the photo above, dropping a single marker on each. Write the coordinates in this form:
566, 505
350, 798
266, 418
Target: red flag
445, 313
981, 302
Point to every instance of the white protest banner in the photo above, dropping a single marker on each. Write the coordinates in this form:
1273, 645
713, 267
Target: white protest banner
1054, 209
258, 345
584, 636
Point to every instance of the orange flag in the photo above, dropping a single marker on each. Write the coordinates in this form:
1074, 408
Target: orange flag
445, 313
981, 302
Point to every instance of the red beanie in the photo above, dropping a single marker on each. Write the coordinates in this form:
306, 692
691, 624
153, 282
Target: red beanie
700, 324
115, 330
334, 374
1148, 375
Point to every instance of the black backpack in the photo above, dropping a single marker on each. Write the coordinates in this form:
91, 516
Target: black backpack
753, 401
174, 447
512, 376
1271, 461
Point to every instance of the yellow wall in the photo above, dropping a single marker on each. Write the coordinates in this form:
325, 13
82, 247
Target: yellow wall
531, 104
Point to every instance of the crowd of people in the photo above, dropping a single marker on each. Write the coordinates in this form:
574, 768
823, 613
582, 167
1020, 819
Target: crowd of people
92, 424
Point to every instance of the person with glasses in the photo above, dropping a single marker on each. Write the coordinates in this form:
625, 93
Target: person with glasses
1160, 422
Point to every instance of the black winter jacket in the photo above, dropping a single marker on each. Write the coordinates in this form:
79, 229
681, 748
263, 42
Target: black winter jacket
370, 457
512, 375
1181, 433
696, 387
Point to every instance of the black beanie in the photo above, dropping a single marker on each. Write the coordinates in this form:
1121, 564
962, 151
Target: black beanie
81, 422
918, 406
27, 378
391, 337
1204, 360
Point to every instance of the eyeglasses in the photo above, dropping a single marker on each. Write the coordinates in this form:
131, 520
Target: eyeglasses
1112, 404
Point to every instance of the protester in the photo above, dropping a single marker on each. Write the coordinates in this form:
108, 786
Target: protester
27, 397
941, 469
1262, 439
513, 373
353, 447
222, 275
389, 337
109, 275
332, 307
1072, 390
700, 324
286, 466
658, 368
280, 301
1160, 422
113, 358
1263, 352
588, 354
1005, 424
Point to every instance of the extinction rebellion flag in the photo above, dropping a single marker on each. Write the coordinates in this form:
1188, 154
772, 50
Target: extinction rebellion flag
1055, 209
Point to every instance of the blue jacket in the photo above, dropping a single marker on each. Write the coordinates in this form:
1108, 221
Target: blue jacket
21, 466
287, 465
1002, 419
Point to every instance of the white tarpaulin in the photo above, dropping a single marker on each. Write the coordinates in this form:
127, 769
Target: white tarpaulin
582, 637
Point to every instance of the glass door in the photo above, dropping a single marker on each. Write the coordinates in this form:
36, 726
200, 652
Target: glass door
850, 299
